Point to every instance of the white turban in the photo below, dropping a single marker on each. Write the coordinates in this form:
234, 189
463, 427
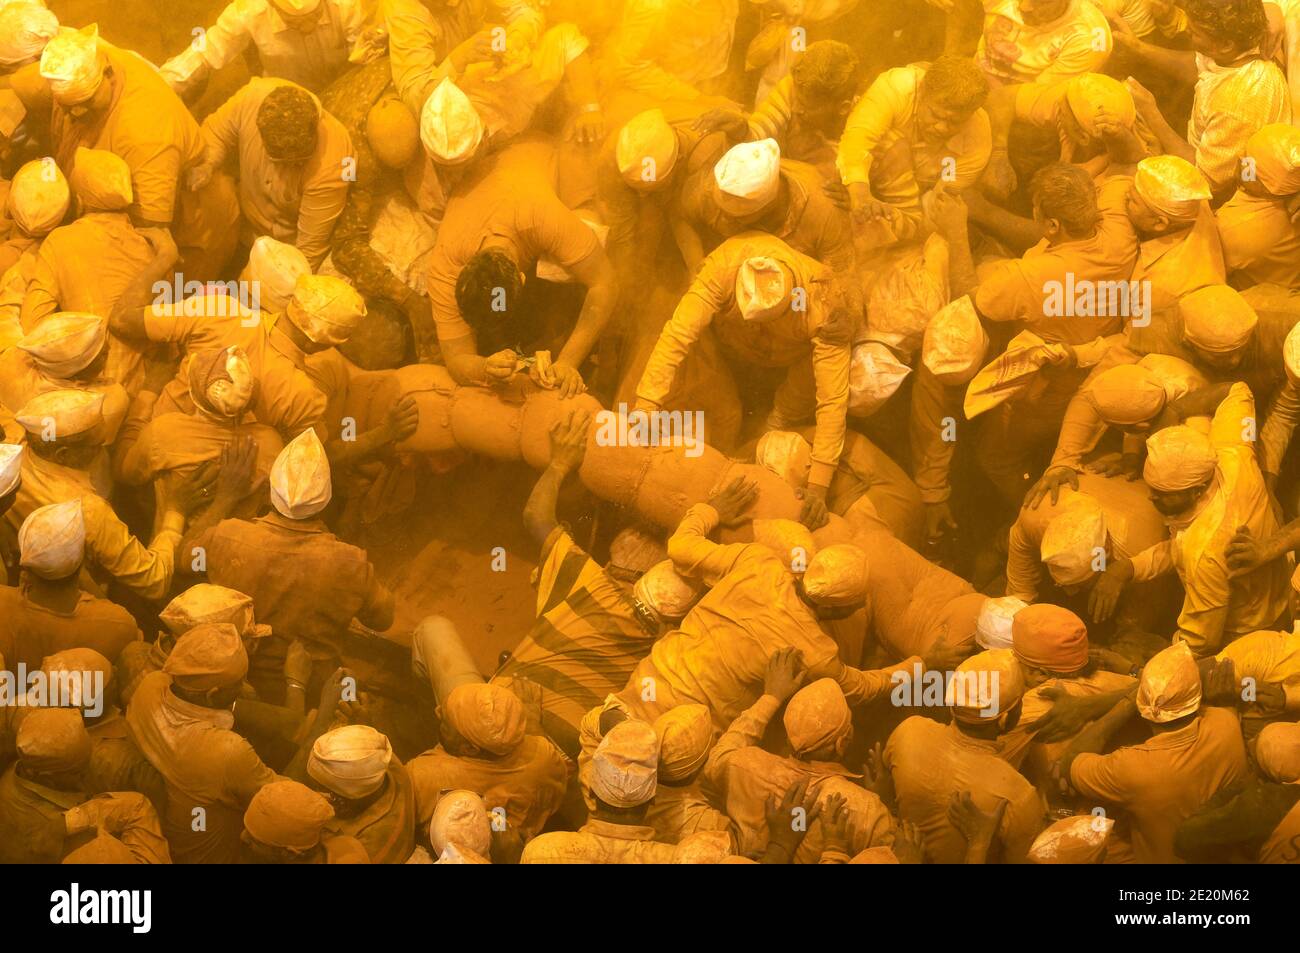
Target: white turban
748, 176
25, 28
52, 540
787, 454
66, 343
461, 817
1178, 458
59, 414
351, 761
1170, 686
1072, 539
837, 576
625, 766
662, 590
276, 267
874, 375
325, 308
71, 65
11, 467
300, 478
955, 342
763, 287
38, 196
646, 150
450, 127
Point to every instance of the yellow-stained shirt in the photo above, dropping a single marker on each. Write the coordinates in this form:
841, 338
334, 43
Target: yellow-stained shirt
710, 302
599, 842
1261, 240
1076, 42
1231, 104
1160, 783
1270, 658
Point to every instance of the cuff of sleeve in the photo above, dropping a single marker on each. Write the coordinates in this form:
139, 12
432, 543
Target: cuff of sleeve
938, 494
173, 522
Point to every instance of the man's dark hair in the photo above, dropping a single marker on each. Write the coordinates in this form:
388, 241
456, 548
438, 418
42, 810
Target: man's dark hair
487, 293
287, 120
1067, 193
829, 69
1239, 22
956, 82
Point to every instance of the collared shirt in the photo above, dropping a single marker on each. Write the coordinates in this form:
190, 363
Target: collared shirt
1230, 105
148, 449
1158, 784
209, 769
931, 761
32, 829
386, 828
30, 631
309, 59
710, 302
293, 202
110, 545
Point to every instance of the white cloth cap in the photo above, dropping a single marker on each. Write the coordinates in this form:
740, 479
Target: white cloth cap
208, 604
787, 454
1072, 540
763, 287
25, 28
874, 375
646, 150
71, 64
11, 467
325, 308
450, 127
663, 590
1178, 458
955, 343
461, 817
276, 267
300, 477
58, 414
53, 540
993, 626
66, 343
748, 176
38, 196
625, 766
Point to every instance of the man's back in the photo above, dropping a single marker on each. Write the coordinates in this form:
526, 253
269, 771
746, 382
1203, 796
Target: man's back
30, 631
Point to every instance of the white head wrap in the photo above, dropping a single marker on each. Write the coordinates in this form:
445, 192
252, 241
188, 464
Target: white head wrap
450, 127
300, 478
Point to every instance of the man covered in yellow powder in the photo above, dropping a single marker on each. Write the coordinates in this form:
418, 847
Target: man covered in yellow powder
915, 126
1192, 754
221, 388
69, 350
762, 304
292, 158
1238, 89
1258, 819
287, 822
368, 788
755, 605
62, 427
1092, 115
88, 264
1207, 487
112, 99
929, 761
1169, 206
681, 806
819, 726
485, 748
1268, 664
181, 720
35, 205
1038, 41
1260, 224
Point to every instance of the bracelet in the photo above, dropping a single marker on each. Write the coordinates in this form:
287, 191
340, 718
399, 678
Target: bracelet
590, 108
294, 684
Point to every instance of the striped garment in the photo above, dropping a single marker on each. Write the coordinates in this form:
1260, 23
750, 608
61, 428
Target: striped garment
584, 645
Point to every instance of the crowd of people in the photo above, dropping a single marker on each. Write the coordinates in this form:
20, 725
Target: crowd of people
989, 310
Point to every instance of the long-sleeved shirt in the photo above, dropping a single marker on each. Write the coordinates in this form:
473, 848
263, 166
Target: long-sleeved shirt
1231, 104
309, 59
1216, 608
746, 776
293, 202
127, 816
710, 303
719, 653
111, 547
